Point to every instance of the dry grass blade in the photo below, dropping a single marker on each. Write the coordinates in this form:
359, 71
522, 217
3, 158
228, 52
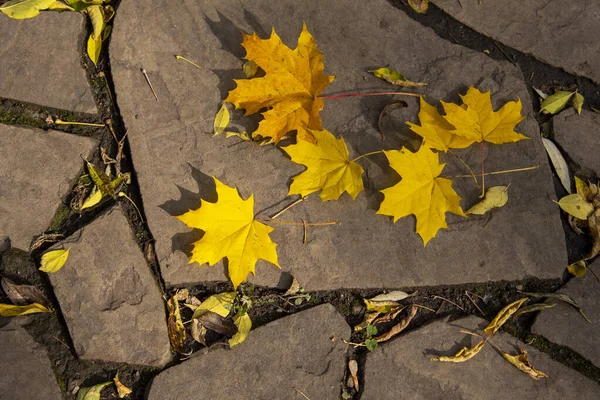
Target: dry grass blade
504, 315
399, 327
522, 363
534, 307
387, 317
463, 354
561, 297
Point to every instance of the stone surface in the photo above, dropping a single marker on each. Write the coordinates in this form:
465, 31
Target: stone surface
402, 369
26, 370
579, 136
37, 169
111, 303
40, 61
563, 325
175, 154
558, 32
303, 351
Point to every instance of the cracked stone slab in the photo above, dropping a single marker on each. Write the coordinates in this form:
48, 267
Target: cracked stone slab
403, 366
175, 153
579, 136
563, 325
37, 169
303, 351
26, 370
558, 32
111, 303
40, 60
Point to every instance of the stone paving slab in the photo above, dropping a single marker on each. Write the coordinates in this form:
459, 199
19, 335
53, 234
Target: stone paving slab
579, 136
402, 369
563, 325
26, 371
37, 169
40, 60
175, 153
561, 33
303, 351
111, 303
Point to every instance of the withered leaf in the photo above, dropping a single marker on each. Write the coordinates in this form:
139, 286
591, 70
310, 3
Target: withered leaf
367, 320
503, 316
381, 306
561, 297
395, 295
214, 322
522, 362
121, 389
387, 317
463, 354
353, 368
198, 332
24, 294
578, 269
533, 308
175, 327
594, 226
399, 327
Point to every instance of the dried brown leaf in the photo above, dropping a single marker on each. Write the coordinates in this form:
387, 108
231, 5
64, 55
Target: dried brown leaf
399, 327
353, 367
463, 354
214, 322
294, 287
367, 320
503, 316
175, 327
594, 226
522, 362
22, 295
561, 297
198, 332
123, 390
387, 317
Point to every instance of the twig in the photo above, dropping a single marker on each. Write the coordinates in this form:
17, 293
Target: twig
354, 344
60, 122
300, 223
400, 103
466, 165
340, 96
475, 304
61, 342
367, 154
506, 171
149, 83
421, 306
505, 55
592, 271
277, 214
444, 299
299, 391
304, 232
191, 62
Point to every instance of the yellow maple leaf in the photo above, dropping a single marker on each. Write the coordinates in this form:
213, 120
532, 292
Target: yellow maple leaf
420, 192
290, 88
230, 231
328, 167
437, 133
477, 121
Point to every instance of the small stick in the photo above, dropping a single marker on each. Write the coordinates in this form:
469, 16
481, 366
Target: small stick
475, 304
191, 62
304, 234
444, 299
354, 344
299, 391
466, 165
149, 83
277, 214
61, 342
301, 223
505, 55
60, 122
592, 271
421, 306
506, 171
340, 96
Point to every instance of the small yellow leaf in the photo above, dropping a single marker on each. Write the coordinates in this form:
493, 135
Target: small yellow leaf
9, 310
328, 168
495, 197
221, 120
583, 190
421, 192
522, 362
92, 392
578, 102
122, 390
578, 269
21, 9
574, 205
503, 316
96, 14
463, 354
59, 6
381, 306
94, 46
94, 198
556, 102
419, 6
250, 69
175, 328
241, 135
221, 304
54, 260
477, 121
395, 77
244, 325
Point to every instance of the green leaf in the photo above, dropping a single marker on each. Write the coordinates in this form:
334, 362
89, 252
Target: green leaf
578, 269
556, 102
60, 6
22, 9
574, 205
54, 260
395, 77
94, 46
371, 344
96, 14
578, 103
92, 392
371, 330
9, 310
221, 120
244, 324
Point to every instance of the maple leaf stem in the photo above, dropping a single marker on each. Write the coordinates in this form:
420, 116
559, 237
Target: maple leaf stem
466, 165
277, 214
191, 62
299, 223
60, 122
340, 96
367, 154
505, 171
482, 148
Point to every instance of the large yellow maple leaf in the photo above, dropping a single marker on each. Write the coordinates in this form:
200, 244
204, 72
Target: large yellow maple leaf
290, 88
230, 231
328, 167
420, 192
437, 133
477, 121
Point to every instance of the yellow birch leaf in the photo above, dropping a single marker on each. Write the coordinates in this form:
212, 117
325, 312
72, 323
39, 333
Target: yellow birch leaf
290, 88
94, 198
9, 310
574, 205
463, 354
503, 316
437, 133
175, 328
419, 6
328, 168
122, 390
59, 6
54, 260
421, 191
583, 190
22, 9
94, 46
221, 120
231, 232
477, 121
221, 304
522, 362
578, 102
578, 269
96, 14
244, 325
92, 392
395, 77
556, 102
495, 197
